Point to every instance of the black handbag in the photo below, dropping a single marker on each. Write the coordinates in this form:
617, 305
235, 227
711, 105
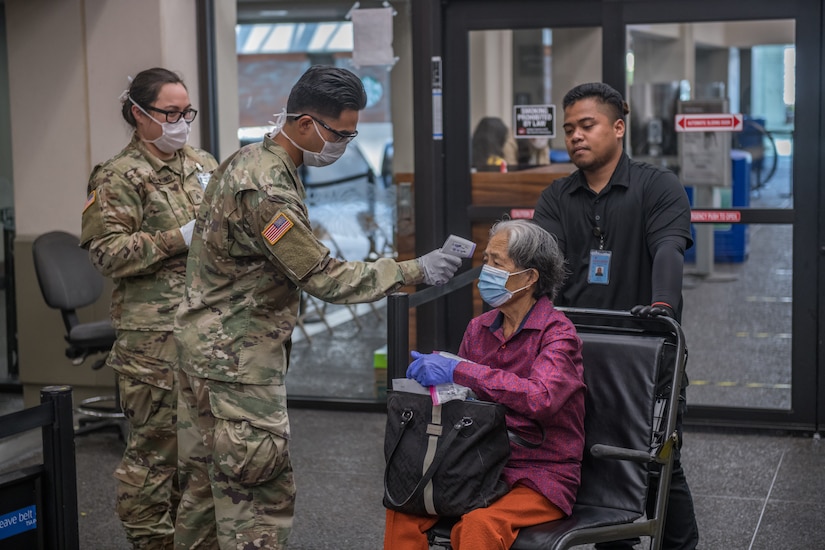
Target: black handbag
443, 460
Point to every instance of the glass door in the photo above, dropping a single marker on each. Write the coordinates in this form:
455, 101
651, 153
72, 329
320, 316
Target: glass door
750, 283
738, 277
351, 203
752, 348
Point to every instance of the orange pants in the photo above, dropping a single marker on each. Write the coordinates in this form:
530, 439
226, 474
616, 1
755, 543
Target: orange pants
494, 527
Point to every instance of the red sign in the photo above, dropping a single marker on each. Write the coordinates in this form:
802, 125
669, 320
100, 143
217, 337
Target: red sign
715, 216
709, 122
521, 213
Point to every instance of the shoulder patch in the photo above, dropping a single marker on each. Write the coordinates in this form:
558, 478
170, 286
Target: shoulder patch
277, 228
90, 200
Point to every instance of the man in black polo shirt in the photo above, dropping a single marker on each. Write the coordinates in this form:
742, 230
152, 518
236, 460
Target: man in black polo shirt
623, 227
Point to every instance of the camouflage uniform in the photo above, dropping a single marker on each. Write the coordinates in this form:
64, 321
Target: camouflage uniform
252, 253
131, 226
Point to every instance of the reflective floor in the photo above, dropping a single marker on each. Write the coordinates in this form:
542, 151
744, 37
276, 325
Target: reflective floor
751, 491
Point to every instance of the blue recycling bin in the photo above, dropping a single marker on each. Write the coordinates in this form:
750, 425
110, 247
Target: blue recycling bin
730, 241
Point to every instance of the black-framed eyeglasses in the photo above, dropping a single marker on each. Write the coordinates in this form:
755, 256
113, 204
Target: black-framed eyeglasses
174, 116
342, 136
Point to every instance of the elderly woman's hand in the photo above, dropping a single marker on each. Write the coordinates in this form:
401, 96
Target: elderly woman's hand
431, 369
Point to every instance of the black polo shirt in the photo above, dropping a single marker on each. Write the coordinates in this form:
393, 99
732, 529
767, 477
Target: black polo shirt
640, 205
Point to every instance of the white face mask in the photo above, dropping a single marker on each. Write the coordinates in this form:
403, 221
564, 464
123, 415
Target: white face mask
329, 153
174, 134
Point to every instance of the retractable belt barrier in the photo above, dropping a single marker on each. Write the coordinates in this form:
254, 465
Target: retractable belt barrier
38, 503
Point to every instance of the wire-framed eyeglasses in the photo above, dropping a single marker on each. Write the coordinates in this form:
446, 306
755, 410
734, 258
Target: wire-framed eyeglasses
174, 116
342, 136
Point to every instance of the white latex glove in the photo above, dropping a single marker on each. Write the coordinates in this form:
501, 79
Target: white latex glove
438, 267
186, 232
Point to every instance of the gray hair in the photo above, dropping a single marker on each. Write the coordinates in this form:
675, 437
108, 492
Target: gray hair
532, 247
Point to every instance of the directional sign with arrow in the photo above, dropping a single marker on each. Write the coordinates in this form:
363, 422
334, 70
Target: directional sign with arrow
709, 122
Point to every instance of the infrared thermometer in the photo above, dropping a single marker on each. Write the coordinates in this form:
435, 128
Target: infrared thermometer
457, 246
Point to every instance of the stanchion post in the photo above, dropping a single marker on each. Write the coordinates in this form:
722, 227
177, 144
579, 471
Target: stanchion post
60, 491
398, 335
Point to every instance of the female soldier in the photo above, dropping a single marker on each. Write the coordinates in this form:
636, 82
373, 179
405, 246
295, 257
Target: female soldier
137, 225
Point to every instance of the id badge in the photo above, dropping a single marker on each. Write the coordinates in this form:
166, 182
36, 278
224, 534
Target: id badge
203, 179
599, 272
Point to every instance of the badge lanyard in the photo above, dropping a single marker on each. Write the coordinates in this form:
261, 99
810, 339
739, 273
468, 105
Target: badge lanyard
599, 272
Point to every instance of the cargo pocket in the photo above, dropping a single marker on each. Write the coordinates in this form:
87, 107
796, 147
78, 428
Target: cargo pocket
145, 356
130, 495
139, 401
247, 454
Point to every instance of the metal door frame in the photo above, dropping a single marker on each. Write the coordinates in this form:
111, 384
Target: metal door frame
442, 189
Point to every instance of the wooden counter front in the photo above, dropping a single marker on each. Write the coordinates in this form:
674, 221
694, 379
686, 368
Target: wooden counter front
508, 190
521, 188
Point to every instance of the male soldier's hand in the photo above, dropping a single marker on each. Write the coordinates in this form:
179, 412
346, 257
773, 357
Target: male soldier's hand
653, 310
438, 268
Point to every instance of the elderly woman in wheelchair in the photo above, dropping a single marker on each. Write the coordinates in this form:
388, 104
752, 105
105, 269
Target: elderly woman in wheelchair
525, 355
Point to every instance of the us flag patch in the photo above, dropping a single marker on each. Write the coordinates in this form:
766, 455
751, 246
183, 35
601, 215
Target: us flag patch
90, 200
276, 229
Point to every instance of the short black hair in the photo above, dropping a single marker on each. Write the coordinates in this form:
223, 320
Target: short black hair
144, 90
601, 92
327, 91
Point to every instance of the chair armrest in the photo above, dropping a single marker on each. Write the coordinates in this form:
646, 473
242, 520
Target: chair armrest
620, 453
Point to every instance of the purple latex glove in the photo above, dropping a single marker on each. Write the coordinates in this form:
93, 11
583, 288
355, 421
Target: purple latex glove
431, 369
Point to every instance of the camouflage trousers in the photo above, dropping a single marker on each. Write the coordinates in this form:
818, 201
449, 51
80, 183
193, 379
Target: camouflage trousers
147, 488
237, 487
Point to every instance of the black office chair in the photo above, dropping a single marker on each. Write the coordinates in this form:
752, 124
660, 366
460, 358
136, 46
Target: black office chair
69, 281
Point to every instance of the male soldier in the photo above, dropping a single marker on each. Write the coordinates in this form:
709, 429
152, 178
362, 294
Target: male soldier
252, 253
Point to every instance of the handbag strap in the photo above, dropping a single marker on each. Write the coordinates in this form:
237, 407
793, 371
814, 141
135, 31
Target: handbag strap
406, 418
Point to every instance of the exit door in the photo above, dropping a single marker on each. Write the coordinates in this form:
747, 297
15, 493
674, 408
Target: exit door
751, 309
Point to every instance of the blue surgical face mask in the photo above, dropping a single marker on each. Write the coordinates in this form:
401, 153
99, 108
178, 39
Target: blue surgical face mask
492, 285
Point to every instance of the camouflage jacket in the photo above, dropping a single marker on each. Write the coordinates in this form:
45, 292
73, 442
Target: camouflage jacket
135, 207
253, 251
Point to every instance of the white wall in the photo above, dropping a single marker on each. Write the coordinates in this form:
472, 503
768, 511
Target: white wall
491, 70
68, 63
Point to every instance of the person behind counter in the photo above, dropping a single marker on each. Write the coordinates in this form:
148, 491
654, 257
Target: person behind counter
493, 149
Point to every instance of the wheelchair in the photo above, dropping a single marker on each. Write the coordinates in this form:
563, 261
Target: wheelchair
634, 370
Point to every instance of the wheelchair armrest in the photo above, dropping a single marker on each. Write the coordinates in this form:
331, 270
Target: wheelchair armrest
620, 453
